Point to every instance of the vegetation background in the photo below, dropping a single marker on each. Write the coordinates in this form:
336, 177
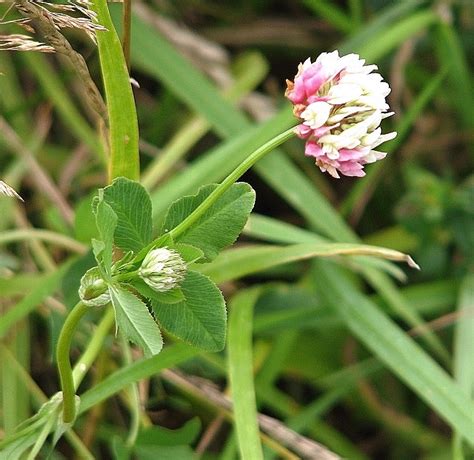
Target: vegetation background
211, 82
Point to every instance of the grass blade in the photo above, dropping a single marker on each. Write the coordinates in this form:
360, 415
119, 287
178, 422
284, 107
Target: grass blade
400, 353
241, 374
330, 13
464, 349
371, 32
389, 38
32, 300
169, 357
451, 54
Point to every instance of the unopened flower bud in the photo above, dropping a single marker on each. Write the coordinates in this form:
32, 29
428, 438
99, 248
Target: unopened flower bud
93, 290
162, 269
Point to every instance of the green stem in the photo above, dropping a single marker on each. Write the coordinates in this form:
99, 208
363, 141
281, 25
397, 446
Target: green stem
230, 179
126, 276
135, 410
94, 347
64, 365
123, 123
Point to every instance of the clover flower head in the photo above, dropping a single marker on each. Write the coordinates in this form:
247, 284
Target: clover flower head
162, 269
93, 290
341, 103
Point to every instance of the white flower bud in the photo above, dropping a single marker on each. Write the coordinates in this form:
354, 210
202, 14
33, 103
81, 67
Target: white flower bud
93, 290
162, 269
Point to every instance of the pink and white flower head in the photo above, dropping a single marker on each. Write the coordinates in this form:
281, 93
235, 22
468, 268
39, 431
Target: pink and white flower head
341, 104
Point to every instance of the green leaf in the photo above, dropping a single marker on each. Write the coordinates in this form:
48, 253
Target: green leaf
172, 296
160, 436
275, 231
241, 374
398, 351
83, 230
153, 54
200, 319
220, 225
164, 453
135, 321
190, 254
165, 240
120, 450
450, 50
106, 221
17, 449
131, 202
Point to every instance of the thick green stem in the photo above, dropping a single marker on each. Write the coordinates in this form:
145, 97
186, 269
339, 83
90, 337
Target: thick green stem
126, 30
127, 276
123, 123
230, 179
64, 365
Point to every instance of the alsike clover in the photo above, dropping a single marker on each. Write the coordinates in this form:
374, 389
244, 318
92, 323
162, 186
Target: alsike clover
155, 284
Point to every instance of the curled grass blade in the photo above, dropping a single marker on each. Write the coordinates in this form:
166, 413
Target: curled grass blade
235, 263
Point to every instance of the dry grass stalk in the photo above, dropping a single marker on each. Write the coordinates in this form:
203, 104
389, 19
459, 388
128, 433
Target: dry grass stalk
5, 189
19, 42
305, 447
48, 24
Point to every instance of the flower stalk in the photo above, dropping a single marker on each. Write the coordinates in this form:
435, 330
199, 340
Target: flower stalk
230, 179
